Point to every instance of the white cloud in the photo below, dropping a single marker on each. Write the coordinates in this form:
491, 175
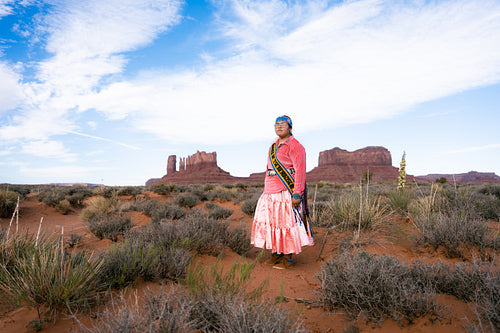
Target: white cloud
10, 88
48, 149
87, 40
62, 173
5, 9
355, 62
474, 149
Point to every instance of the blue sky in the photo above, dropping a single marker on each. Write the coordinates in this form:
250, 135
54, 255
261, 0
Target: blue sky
104, 91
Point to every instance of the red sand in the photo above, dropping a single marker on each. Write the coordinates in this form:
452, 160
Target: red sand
299, 282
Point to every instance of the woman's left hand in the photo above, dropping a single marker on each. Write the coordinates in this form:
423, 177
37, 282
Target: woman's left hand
295, 202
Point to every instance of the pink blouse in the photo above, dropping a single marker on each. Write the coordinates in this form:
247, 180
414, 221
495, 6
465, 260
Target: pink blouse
292, 155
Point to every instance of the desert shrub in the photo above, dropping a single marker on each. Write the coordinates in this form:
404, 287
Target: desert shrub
73, 239
351, 211
110, 227
217, 212
51, 196
40, 273
22, 190
248, 206
487, 295
205, 236
441, 180
491, 189
64, 206
163, 235
488, 206
130, 190
477, 282
238, 240
201, 235
147, 207
321, 213
101, 207
8, 202
378, 287
166, 312
167, 211
124, 262
212, 313
174, 310
187, 200
400, 199
172, 263
76, 195
224, 302
223, 193
163, 189
454, 232
104, 218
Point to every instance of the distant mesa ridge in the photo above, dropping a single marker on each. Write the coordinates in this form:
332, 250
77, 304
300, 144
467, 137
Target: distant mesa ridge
469, 177
334, 165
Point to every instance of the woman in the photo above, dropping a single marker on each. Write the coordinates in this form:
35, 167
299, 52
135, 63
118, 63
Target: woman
278, 224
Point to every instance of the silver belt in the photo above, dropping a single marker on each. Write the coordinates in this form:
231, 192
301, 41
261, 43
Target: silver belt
271, 173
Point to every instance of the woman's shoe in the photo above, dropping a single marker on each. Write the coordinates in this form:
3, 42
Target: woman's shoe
275, 259
284, 264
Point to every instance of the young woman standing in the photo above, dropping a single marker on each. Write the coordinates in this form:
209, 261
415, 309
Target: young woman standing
280, 221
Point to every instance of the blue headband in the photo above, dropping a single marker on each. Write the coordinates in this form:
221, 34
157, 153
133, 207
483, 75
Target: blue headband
285, 119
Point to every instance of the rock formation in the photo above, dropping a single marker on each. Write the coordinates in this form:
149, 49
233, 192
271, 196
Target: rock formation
365, 156
335, 165
341, 166
199, 168
469, 177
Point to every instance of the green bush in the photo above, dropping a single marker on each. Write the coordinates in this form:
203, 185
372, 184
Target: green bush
162, 189
126, 261
248, 206
130, 190
110, 227
38, 272
454, 232
147, 207
187, 200
238, 240
64, 207
101, 208
217, 212
173, 310
8, 202
400, 199
378, 287
52, 196
351, 211
166, 211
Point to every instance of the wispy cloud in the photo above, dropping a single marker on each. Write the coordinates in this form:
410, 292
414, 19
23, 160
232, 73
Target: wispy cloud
351, 63
61, 173
48, 149
10, 87
87, 41
474, 149
323, 64
104, 139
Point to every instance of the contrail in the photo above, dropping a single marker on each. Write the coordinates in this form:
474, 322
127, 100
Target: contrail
104, 139
471, 149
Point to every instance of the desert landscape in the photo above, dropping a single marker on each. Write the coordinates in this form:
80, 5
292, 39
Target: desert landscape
177, 258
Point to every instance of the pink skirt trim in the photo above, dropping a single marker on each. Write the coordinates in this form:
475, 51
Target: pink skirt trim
276, 227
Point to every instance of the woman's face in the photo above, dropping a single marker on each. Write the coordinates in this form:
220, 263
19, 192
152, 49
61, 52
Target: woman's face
282, 129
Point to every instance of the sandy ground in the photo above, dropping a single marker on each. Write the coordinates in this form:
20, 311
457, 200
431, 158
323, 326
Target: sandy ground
300, 282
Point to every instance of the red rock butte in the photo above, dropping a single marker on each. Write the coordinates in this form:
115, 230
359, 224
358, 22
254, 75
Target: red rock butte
334, 165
